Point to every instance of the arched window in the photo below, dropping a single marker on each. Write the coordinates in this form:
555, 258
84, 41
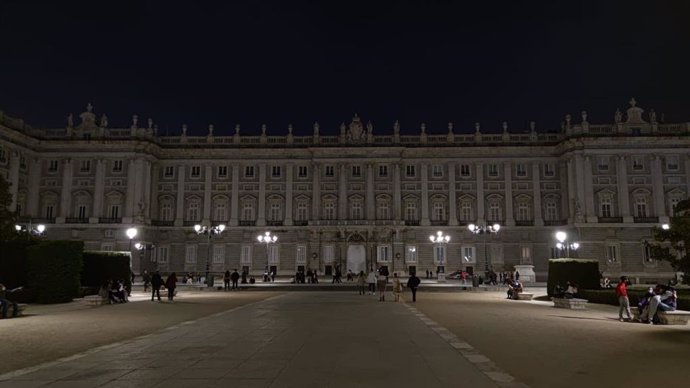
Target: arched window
275, 212
439, 211
193, 213
329, 210
356, 210
383, 210
248, 211
220, 213
466, 211
494, 211
605, 207
640, 206
302, 211
551, 213
411, 211
166, 209
523, 212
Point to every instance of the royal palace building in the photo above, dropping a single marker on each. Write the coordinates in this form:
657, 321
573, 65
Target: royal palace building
359, 199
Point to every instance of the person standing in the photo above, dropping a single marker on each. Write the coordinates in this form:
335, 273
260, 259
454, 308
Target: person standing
235, 277
171, 284
623, 301
156, 283
226, 280
146, 278
412, 284
371, 280
361, 281
381, 282
397, 287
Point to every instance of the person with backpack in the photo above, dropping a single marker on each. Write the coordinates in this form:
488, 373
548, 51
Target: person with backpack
412, 283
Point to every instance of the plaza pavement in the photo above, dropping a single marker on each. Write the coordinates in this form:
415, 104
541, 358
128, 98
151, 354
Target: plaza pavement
339, 339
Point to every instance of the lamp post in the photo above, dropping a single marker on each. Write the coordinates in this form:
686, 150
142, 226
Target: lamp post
485, 230
131, 233
267, 238
563, 245
209, 231
440, 239
30, 230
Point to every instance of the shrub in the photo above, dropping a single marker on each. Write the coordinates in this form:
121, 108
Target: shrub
584, 273
101, 266
13, 262
53, 270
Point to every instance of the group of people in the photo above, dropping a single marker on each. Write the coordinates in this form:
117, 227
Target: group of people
569, 292
514, 289
6, 303
114, 291
157, 283
378, 281
660, 298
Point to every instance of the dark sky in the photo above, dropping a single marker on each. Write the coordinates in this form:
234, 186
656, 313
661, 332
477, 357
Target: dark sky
281, 62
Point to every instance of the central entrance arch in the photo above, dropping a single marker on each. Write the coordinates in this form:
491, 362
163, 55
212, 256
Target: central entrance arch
356, 258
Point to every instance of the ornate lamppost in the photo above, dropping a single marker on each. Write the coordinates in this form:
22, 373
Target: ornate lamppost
485, 230
39, 230
440, 239
209, 232
267, 238
131, 233
564, 246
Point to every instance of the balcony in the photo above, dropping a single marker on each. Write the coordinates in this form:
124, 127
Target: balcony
247, 223
274, 223
354, 222
162, 223
555, 222
412, 222
610, 220
300, 223
190, 223
76, 220
524, 223
439, 222
646, 220
104, 220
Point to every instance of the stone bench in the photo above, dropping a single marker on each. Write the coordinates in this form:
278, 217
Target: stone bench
95, 300
524, 296
677, 317
573, 304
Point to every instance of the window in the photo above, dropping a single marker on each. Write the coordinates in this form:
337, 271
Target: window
356, 171
411, 254
551, 212
169, 171
468, 255
465, 170
494, 212
410, 170
638, 163
329, 211
248, 212
523, 212
85, 166
439, 212
49, 211
329, 171
108, 247
219, 254
246, 255
605, 207
222, 171
196, 171
275, 212
249, 171
221, 212
301, 255
302, 171
163, 254
273, 254
493, 170
328, 255
357, 210
383, 253
647, 254
440, 254
108, 233
193, 211
117, 165
166, 212
383, 170
549, 170
520, 170
383, 211
437, 171
603, 163
466, 211
673, 202
53, 166
525, 255
672, 163
3, 156
190, 254
411, 211
275, 171
611, 253
302, 211
81, 212
640, 207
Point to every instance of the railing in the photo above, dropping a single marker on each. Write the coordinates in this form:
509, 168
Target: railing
524, 223
300, 223
555, 222
439, 222
274, 223
247, 223
162, 223
412, 222
190, 223
610, 220
76, 220
648, 220
106, 220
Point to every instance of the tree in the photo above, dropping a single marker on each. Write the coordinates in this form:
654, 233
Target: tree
670, 242
7, 217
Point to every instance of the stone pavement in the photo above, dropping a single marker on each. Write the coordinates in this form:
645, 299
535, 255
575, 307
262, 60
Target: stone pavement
299, 339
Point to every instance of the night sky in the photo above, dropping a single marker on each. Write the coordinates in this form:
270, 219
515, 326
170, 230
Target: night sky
296, 62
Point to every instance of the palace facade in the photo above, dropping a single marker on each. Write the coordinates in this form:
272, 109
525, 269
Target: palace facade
357, 199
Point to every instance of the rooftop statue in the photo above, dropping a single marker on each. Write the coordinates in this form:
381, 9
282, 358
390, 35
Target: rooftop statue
356, 129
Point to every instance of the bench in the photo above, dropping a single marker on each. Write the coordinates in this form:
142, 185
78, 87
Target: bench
524, 296
95, 300
573, 304
677, 317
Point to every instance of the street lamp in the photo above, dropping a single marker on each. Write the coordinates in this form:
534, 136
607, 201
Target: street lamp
485, 230
440, 239
267, 238
37, 231
564, 245
131, 233
209, 231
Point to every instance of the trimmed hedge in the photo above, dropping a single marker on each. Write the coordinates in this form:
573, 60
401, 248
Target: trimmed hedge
584, 273
53, 270
101, 266
13, 262
608, 296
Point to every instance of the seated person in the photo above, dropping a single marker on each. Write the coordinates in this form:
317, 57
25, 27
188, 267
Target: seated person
571, 291
5, 303
514, 288
664, 299
558, 291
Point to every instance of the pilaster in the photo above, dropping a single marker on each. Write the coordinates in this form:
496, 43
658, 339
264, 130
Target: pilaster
480, 193
289, 170
208, 190
425, 193
452, 196
623, 191
179, 210
261, 215
536, 189
508, 179
235, 195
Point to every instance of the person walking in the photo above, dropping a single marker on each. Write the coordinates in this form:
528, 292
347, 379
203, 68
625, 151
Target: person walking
171, 284
146, 278
381, 282
371, 280
623, 301
397, 287
226, 280
235, 277
361, 281
156, 283
412, 284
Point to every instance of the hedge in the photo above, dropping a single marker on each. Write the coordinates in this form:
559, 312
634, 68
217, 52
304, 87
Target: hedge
608, 296
584, 273
13, 262
54, 269
101, 266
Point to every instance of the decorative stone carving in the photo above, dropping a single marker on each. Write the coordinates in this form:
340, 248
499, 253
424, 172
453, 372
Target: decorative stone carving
104, 121
355, 129
634, 113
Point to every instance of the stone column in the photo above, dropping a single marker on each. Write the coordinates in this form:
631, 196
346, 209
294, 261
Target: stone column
658, 190
342, 192
508, 179
623, 192
66, 195
179, 210
316, 194
590, 213
14, 179
261, 216
397, 193
32, 202
452, 196
371, 200
289, 170
480, 194
536, 189
425, 194
98, 194
208, 190
235, 195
